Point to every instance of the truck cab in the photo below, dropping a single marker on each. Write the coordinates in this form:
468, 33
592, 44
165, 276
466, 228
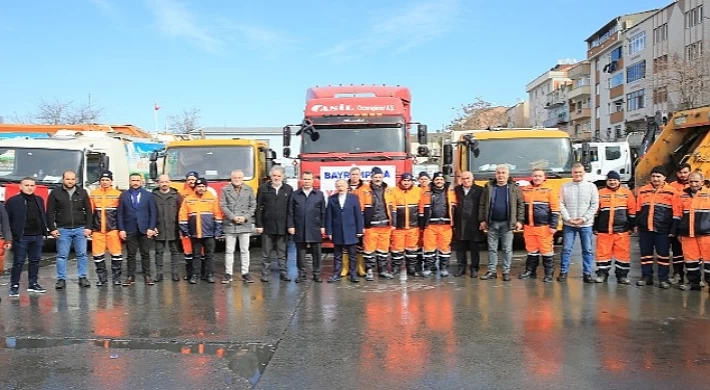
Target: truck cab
605, 157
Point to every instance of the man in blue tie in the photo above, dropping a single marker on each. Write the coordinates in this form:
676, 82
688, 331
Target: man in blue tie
137, 219
344, 225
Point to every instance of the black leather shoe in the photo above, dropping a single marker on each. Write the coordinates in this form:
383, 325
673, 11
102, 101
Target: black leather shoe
284, 278
264, 278
562, 277
354, 279
506, 277
84, 282
489, 275
61, 284
474, 274
176, 277
334, 278
318, 279
588, 279
460, 271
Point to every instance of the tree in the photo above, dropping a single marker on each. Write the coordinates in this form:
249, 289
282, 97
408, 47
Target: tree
185, 122
478, 115
683, 80
59, 112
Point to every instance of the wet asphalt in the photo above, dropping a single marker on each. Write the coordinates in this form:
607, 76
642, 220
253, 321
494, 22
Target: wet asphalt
437, 333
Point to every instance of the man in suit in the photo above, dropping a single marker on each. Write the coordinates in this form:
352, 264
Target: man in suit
306, 224
344, 225
137, 220
271, 218
467, 231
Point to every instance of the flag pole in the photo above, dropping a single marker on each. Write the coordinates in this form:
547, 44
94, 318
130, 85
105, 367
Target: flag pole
155, 116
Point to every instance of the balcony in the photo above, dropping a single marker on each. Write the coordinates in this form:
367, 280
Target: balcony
616, 91
580, 71
616, 117
581, 91
583, 113
608, 43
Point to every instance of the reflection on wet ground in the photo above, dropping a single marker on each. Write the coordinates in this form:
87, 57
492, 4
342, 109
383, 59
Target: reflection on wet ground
422, 333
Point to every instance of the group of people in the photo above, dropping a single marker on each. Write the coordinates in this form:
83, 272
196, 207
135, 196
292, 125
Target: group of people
407, 230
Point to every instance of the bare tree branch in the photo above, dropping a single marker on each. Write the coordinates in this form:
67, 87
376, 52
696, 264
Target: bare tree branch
185, 122
683, 79
59, 112
478, 115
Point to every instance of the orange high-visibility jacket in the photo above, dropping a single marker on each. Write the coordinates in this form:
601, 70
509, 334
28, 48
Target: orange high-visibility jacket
201, 216
104, 205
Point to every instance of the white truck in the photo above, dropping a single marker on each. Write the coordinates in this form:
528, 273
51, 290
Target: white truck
87, 153
608, 156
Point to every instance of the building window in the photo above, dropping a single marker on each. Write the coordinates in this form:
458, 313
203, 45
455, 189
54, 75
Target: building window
637, 43
616, 80
694, 50
660, 33
660, 64
635, 100
618, 106
636, 71
616, 54
694, 17
617, 134
596, 88
605, 36
598, 111
660, 95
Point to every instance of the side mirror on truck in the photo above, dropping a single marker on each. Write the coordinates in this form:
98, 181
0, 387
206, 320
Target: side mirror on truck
287, 141
586, 158
422, 135
448, 157
153, 170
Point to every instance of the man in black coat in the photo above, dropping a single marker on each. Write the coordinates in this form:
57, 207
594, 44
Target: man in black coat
306, 224
28, 228
466, 225
167, 203
271, 220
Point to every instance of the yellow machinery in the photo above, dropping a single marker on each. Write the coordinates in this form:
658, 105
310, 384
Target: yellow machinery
684, 139
215, 159
480, 151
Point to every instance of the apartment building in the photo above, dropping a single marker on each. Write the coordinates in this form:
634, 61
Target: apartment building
539, 92
580, 102
557, 106
518, 115
618, 55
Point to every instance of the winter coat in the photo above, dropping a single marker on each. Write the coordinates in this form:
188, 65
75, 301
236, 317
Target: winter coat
63, 212
307, 215
237, 205
272, 209
466, 222
580, 200
17, 215
516, 204
140, 218
200, 216
345, 223
168, 206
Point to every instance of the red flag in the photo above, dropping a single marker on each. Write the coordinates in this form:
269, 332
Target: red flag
156, 107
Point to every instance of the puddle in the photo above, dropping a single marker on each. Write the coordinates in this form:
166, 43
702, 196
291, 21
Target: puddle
246, 360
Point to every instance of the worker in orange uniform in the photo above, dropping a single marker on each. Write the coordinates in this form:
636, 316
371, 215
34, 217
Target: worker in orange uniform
615, 218
542, 215
657, 206
405, 215
694, 230
424, 183
187, 190
356, 186
680, 184
104, 234
436, 211
376, 204
201, 220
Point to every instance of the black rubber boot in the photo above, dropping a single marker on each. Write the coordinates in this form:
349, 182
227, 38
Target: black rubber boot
102, 273
548, 263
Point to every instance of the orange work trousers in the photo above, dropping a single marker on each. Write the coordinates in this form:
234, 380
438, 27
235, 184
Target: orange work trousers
403, 239
101, 241
613, 245
437, 237
377, 239
539, 240
2, 254
696, 249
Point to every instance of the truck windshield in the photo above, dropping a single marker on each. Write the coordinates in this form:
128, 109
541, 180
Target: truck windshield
554, 155
46, 166
211, 162
347, 139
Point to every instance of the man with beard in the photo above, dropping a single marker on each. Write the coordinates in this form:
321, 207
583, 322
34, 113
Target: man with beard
542, 214
694, 230
104, 203
272, 201
614, 220
436, 211
168, 202
680, 184
376, 203
405, 214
